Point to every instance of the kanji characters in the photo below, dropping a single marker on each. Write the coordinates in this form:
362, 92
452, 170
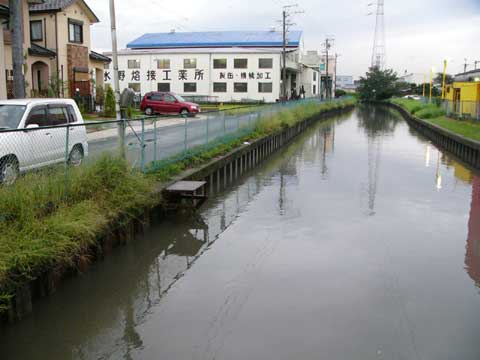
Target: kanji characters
136, 75
182, 75
198, 74
151, 75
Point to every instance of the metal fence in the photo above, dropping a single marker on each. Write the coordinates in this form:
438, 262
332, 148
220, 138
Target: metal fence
462, 109
150, 143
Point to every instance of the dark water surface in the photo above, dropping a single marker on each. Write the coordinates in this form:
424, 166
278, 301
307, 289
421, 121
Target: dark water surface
359, 241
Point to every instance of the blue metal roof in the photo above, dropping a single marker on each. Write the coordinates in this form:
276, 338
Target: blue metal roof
215, 39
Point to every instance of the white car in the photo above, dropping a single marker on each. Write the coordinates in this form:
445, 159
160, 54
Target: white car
35, 132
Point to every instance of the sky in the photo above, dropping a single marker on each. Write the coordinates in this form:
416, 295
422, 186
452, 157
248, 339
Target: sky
420, 34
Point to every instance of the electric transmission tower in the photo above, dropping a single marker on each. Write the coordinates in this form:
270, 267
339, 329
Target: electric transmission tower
379, 52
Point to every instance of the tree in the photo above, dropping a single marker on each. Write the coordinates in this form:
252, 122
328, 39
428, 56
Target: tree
378, 85
16, 22
109, 108
449, 79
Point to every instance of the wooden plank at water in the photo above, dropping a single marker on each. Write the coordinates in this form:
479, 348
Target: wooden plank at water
186, 186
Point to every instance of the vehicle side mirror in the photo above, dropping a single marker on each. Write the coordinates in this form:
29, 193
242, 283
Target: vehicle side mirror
32, 126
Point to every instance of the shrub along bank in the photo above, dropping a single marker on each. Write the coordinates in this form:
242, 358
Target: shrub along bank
436, 115
48, 220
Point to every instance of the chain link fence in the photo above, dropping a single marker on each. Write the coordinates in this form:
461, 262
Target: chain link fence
462, 109
150, 142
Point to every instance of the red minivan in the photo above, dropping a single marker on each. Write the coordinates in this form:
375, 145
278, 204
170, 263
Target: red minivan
167, 103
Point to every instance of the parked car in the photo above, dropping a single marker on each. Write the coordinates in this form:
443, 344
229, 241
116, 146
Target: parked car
413, 97
167, 103
33, 135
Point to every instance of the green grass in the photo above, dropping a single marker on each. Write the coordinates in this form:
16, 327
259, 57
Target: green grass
468, 129
437, 116
48, 220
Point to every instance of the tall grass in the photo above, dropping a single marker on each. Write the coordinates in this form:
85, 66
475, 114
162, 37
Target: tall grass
419, 109
46, 221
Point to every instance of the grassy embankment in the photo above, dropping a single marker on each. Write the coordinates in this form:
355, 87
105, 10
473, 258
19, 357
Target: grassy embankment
436, 115
48, 222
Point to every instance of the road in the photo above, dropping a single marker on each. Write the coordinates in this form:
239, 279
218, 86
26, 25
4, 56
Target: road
170, 140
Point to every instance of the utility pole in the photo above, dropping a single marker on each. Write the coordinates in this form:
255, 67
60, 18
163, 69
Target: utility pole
476, 62
465, 66
335, 74
17, 48
116, 82
328, 90
284, 56
286, 24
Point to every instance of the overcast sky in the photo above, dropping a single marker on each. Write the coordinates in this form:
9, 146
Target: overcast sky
419, 33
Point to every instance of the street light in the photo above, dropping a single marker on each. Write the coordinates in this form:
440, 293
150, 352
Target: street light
432, 70
445, 64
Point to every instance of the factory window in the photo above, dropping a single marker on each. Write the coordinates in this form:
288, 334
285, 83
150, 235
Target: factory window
163, 63
314, 76
265, 63
314, 89
220, 87
189, 87
135, 87
240, 87
219, 63
240, 63
134, 64
265, 87
163, 87
189, 63
36, 30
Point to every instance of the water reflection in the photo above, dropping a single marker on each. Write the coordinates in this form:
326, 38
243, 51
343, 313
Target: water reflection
377, 122
472, 257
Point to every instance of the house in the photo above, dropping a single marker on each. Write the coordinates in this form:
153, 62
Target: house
220, 66
58, 55
464, 98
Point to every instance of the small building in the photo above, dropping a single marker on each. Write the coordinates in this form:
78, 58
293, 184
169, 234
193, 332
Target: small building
58, 55
225, 66
464, 98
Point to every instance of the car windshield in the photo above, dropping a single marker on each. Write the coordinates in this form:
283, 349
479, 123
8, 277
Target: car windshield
10, 116
179, 98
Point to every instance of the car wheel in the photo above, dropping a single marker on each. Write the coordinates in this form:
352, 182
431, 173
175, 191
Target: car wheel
9, 170
184, 112
149, 111
76, 156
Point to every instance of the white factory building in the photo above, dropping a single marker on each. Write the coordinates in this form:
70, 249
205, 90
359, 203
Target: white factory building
230, 66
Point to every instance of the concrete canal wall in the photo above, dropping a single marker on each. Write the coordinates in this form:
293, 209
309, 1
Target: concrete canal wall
465, 149
218, 174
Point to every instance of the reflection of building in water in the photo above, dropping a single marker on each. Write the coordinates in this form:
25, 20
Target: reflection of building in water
472, 257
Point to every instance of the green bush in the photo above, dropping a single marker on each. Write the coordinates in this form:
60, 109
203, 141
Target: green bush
430, 111
109, 108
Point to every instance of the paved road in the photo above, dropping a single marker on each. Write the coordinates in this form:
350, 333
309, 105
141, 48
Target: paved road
170, 140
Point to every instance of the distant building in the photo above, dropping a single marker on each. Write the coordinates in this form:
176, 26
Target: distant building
225, 66
316, 60
472, 75
345, 82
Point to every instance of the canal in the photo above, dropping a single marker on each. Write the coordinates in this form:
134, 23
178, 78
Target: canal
360, 240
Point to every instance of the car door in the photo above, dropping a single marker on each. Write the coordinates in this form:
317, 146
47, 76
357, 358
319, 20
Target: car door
157, 103
170, 104
78, 134
58, 117
38, 140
